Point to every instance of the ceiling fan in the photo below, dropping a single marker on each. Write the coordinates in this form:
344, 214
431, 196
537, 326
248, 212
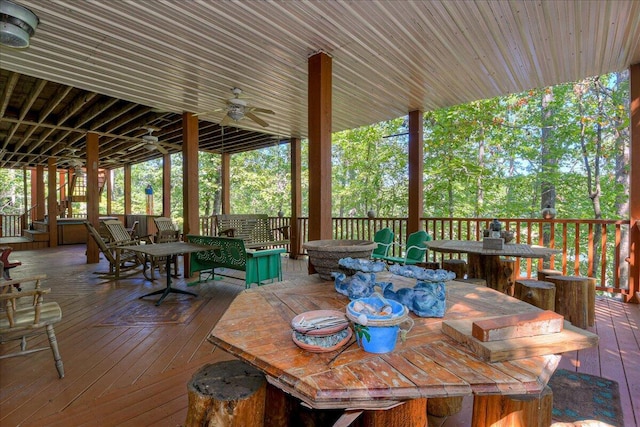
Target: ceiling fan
72, 159
150, 141
238, 108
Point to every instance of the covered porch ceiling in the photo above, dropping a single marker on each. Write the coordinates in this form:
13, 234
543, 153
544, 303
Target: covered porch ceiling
116, 68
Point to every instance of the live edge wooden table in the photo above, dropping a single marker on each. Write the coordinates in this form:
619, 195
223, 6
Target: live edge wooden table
163, 250
485, 263
256, 328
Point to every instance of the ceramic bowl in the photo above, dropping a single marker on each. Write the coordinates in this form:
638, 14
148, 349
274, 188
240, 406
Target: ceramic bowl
303, 322
322, 344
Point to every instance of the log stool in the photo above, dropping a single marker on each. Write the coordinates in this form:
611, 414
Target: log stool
517, 410
458, 266
433, 265
474, 281
572, 298
543, 274
229, 393
540, 293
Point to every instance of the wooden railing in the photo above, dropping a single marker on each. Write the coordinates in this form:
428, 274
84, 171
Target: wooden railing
591, 248
11, 225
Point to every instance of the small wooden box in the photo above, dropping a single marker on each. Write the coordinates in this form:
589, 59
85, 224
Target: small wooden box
492, 243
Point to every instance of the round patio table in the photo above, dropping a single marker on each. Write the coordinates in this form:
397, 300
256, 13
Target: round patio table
485, 263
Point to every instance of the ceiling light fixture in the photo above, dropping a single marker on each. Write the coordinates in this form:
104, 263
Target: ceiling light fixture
17, 25
236, 112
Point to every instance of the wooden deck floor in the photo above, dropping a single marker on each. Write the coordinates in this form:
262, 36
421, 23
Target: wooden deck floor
124, 369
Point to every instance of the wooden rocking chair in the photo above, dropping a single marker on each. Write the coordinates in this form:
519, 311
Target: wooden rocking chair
164, 224
24, 314
128, 260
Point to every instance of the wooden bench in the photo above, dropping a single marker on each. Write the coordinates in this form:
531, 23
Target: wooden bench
259, 265
254, 229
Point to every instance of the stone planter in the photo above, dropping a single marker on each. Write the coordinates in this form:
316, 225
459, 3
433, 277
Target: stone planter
325, 254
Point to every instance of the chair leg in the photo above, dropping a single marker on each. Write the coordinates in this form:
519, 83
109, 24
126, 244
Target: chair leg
53, 342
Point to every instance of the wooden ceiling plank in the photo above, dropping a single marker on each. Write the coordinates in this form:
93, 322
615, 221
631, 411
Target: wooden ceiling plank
12, 81
26, 107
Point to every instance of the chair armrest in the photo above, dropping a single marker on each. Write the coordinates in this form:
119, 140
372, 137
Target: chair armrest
38, 293
386, 245
17, 281
148, 239
410, 248
229, 232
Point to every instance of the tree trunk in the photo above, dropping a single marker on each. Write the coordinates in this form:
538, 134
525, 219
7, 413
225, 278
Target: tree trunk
622, 168
229, 393
548, 166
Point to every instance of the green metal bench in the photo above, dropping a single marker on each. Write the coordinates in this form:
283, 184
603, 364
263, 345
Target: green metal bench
259, 266
254, 229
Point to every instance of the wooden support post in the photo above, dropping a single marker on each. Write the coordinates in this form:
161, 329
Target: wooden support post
444, 406
229, 393
542, 294
572, 298
458, 266
543, 274
412, 413
513, 411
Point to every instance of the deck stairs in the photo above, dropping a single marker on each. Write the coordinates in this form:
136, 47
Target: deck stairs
37, 237
78, 191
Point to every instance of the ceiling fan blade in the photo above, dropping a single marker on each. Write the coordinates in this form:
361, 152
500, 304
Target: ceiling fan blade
161, 149
135, 147
225, 120
262, 110
257, 119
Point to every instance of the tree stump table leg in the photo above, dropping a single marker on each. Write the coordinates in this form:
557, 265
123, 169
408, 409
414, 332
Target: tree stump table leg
412, 413
229, 393
536, 292
513, 411
499, 273
444, 406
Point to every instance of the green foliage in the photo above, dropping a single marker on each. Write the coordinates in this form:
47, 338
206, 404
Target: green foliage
483, 159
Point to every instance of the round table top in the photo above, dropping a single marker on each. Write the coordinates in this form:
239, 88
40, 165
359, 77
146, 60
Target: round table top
509, 249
